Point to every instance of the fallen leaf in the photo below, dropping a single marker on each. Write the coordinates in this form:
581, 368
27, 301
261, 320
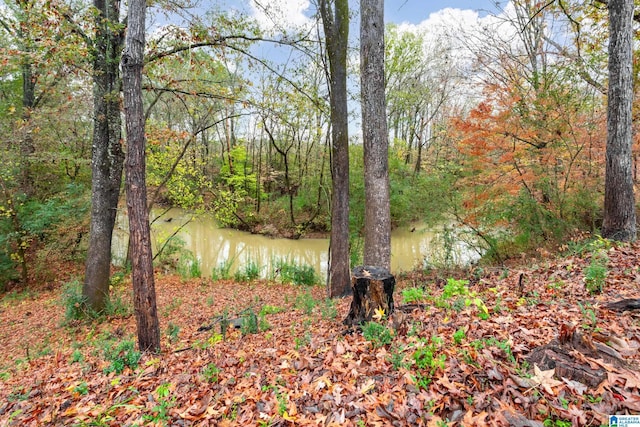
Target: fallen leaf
545, 379
379, 314
367, 386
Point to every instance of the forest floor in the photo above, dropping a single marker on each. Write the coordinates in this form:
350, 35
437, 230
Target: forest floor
441, 360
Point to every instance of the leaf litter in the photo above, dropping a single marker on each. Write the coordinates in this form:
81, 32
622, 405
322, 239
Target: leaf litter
298, 364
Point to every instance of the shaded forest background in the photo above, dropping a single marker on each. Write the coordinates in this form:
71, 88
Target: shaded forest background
499, 130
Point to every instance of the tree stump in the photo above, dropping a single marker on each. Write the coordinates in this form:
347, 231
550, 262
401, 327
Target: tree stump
372, 289
568, 356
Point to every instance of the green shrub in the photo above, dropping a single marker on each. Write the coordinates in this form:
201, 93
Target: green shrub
116, 306
172, 332
55, 223
379, 335
159, 414
120, 356
465, 297
270, 309
211, 373
459, 336
8, 266
454, 288
169, 250
413, 294
427, 362
596, 272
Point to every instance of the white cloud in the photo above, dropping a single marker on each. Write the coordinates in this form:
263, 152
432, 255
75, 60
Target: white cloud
452, 23
461, 34
280, 15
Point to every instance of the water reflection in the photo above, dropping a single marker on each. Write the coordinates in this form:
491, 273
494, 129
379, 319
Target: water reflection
214, 246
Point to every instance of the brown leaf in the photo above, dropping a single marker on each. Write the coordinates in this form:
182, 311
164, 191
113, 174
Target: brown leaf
516, 420
475, 420
545, 379
198, 409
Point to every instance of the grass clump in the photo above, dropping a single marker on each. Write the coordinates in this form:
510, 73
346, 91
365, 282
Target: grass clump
222, 271
76, 308
298, 274
74, 303
173, 331
328, 309
248, 272
189, 267
306, 302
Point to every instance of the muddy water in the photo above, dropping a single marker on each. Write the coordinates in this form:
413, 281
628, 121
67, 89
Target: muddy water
214, 246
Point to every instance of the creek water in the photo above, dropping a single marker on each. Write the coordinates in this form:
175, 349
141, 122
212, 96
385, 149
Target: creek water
410, 247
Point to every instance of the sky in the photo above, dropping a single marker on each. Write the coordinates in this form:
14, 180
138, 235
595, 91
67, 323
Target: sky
411, 12
416, 11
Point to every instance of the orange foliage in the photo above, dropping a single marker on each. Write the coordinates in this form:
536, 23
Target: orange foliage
162, 136
547, 143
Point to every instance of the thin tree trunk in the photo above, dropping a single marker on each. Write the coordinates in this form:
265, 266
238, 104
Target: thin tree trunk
377, 229
107, 156
619, 200
27, 148
144, 295
336, 28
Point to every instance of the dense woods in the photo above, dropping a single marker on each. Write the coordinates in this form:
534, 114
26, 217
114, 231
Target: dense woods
500, 128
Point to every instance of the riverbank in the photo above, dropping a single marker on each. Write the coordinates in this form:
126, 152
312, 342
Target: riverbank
444, 361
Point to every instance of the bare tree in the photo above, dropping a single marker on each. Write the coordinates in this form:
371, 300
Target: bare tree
619, 201
144, 294
377, 228
336, 28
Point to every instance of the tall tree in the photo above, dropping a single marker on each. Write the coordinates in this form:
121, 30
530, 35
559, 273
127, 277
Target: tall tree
336, 28
377, 228
107, 155
144, 294
619, 201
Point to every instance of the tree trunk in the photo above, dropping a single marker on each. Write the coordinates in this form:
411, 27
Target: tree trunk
107, 155
372, 289
619, 201
144, 294
377, 228
27, 148
336, 28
